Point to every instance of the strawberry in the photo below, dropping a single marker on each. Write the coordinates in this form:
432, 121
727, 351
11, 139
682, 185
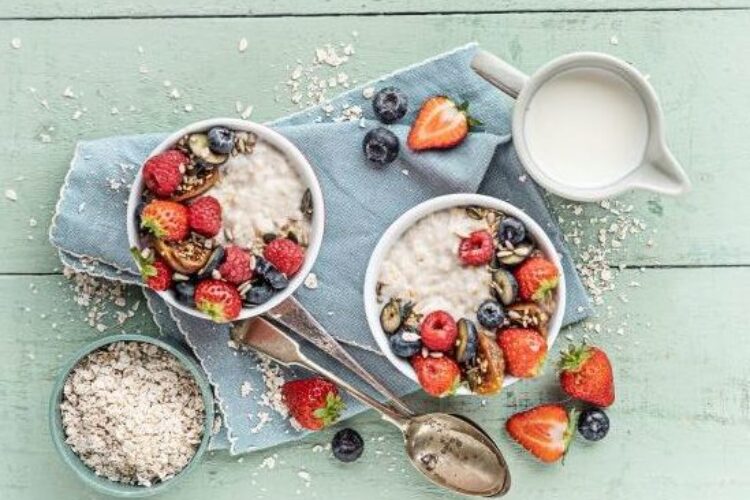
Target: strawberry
438, 331
313, 402
167, 220
285, 255
524, 351
437, 376
477, 249
204, 216
536, 278
218, 299
237, 266
586, 374
162, 173
155, 272
545, 431
440, 124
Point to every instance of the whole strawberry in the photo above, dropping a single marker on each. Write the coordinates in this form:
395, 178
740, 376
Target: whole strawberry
477, 249
162, 173
440, 124
204, 216
313, 402
524, 351
285, 255
545, 431
167, 220
155, 272
437, 376
586, 374
237, 266
218, 299
537, 277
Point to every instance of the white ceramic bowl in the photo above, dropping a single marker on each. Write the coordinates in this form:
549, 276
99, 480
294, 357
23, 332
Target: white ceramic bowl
407, 220
296, 159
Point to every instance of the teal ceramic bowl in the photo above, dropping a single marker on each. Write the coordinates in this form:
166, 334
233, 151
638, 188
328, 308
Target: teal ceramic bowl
87, 475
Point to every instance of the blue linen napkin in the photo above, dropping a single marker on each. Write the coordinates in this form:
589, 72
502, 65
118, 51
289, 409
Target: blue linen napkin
89, 225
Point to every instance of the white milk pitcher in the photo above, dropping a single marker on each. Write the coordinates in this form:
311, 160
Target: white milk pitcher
587, 126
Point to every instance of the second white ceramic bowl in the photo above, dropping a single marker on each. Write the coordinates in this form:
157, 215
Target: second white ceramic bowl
407, 220
298, 162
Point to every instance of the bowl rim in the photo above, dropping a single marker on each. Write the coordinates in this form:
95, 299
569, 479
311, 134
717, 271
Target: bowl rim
298, 161
416, 213
73, 461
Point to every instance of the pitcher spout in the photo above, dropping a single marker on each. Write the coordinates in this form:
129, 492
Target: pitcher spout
662, 174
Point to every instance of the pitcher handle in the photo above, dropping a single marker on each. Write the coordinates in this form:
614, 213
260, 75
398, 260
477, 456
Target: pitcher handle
499, 73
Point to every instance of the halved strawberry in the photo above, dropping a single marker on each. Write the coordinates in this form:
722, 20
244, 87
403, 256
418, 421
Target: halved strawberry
155, 272
440, 124
437, 376
218, 299
167, 220
545, 431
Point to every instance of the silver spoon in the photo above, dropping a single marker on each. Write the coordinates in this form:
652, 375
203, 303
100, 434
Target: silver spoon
452, 452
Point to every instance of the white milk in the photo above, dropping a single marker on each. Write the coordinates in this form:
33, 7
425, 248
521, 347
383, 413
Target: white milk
586, 127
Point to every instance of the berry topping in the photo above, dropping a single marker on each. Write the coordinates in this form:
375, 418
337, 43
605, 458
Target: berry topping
511, 230
438, 331
437, 376
270, 275
347, 445
586, 374
380, 146
285, 255
260, 293
185, 293
537, 277
389, 104
405, 343
167, 220
504, 286
524, 351
440, 124
218, 299
204, 215
476, 249
162, 173
155, 272
593, 424
313, 402
490, 314
545, 431
237, 266
221, 140
467, 341
486, 373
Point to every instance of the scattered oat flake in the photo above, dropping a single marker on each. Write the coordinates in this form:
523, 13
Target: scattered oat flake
174, 94
188, 108
311, 281
242, 46
16, 43
11, 194
614, 40
246, 113
68, 92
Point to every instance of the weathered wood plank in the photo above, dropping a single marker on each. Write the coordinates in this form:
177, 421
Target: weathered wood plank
701, 85
140, 8
680, 425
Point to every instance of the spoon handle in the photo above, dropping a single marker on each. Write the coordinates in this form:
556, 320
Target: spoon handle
294, 316
267, 339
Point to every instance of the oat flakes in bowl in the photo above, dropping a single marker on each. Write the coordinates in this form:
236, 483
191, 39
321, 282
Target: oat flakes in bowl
131, 415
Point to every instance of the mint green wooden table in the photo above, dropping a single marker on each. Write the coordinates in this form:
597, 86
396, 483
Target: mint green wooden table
681, 426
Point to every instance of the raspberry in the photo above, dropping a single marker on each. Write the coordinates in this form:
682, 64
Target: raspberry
205, 216
285, 255
162, 175
476, 249
237, 266
438, 331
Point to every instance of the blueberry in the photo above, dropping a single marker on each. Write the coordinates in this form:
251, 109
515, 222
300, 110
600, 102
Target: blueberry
511, 230
593, 424
347, 445
504, 286
213, 263
270, 275
220, 140
260, 293
405, 343
467, 340
380, 146
490, 314
389, 104
184, 291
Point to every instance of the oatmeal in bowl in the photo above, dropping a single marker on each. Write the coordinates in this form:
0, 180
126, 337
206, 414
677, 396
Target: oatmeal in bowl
464, 294
225, 219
